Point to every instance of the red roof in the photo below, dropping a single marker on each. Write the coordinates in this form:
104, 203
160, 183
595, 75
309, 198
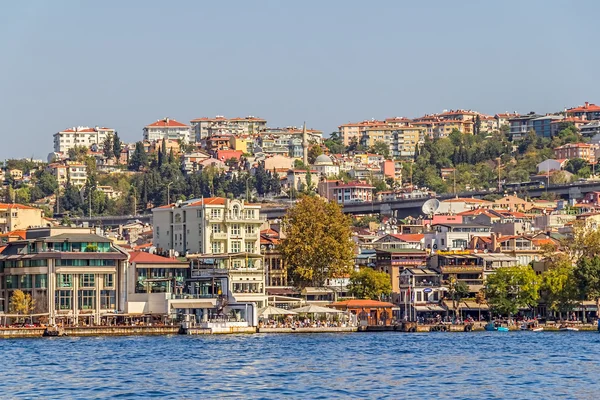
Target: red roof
11, 206
409, 237
217, 201
2, 248
21, 233
587, 107
141, 257
167, 122
225, 155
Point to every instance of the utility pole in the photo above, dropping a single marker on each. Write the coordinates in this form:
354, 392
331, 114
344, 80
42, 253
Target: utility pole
454, 176
134, 200
499, 184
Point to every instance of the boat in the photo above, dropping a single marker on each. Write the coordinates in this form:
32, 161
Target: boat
495, 326
566, 327
531, 326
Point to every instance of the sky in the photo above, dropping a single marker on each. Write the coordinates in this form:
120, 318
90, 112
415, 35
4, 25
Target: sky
125, 64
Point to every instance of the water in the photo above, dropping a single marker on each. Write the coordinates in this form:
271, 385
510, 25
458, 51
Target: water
389, 365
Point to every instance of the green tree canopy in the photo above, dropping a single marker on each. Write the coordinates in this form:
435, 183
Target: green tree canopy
369, 284
318, 242
559, 286
382, 148
512, 288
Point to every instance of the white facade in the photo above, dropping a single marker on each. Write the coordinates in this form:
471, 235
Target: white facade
453, 236
80, 136
167, 129
206, 127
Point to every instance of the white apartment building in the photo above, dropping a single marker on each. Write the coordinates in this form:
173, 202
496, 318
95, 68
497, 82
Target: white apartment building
73, 172
167, 128
80, 136
206, 127
223, 236
449, 237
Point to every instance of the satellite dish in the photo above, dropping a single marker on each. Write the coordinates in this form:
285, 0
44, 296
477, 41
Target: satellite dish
176, 254
152, 250
430, 206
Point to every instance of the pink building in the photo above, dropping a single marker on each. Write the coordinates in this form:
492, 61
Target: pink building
388, 168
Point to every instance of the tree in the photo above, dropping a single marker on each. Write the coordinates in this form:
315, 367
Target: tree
477, 126
334, 143
314, 152
117, 146
47, 183
558, 286
457, 290
512, 288
107, 147
480, 299
587, 278
21, 303
77, 153
318, 242
369, 284
139, 158
382, 148
577, 165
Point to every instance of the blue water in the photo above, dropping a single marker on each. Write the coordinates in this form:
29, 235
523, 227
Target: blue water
319, 366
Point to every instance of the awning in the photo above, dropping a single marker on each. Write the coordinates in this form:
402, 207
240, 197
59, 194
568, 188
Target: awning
193, 304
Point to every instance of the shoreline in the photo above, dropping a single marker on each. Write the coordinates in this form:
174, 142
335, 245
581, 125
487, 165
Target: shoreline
38, 332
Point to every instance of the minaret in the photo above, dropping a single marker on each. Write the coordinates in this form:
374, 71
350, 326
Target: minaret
304, 145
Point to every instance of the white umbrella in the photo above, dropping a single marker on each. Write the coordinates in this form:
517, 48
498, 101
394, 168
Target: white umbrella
265, 312
312, 309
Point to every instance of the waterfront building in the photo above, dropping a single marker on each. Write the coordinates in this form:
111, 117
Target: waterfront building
156, 285
80, 136
213, 225
420, 293
367, 312
461, 266
73, 274
167, 128
394, 261
276, 272
18, 216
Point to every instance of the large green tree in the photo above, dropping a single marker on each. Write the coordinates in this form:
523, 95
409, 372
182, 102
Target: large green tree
369, 284
559, 286
457, 290
511, 288
587, 278
318, 243
382, 148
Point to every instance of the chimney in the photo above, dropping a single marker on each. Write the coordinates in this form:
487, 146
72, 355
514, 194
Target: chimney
587, 104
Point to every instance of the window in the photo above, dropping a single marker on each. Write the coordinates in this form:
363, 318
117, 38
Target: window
419, 294
249, 247
64, 280
249, 229
87, 280
107, 299
63, 299
216, 247
199, 213
109, 280
235, 229
41, 281
158, 231
87, 299
236, 246
11, 282
215, 213
216, 228
25, 282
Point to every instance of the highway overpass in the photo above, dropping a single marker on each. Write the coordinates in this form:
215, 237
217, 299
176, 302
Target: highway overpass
400, 208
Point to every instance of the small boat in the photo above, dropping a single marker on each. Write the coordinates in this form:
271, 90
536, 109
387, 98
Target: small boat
495, 326
531, 326
568, 328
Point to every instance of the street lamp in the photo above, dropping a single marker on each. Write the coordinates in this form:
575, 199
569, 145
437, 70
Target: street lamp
169, 192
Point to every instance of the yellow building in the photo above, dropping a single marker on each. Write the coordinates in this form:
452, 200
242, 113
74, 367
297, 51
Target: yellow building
445, 127
240, 143
18, 216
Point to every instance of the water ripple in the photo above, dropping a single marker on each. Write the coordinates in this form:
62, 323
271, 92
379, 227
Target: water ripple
319, 366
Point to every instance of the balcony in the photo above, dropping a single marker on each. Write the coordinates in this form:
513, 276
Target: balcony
219, 235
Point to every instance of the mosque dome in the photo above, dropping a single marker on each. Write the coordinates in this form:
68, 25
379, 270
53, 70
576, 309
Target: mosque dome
323, 159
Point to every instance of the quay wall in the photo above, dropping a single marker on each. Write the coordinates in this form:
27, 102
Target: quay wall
347, 329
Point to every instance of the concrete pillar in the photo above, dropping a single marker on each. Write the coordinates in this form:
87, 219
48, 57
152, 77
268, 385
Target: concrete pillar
75, 278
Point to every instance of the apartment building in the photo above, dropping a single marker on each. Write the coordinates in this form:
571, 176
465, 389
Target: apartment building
587, 111
167, 128
80, 136
18, 216
543, 126
73, 274
69, 172
203, 128
351, 192
521, 124
352, 131
587, 151
285, 141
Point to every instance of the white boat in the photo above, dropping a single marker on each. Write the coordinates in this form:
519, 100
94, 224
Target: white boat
568, 328
531, 326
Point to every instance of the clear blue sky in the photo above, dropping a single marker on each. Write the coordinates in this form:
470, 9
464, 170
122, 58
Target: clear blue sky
125, 64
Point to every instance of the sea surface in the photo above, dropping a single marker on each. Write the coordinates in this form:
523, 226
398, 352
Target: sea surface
390, 365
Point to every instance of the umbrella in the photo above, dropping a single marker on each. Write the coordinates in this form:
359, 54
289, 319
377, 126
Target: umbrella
312, 309
265, 312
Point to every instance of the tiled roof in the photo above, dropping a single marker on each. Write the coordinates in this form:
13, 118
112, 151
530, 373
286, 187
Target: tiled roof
167, 122
409, 237
361, 303
587, 107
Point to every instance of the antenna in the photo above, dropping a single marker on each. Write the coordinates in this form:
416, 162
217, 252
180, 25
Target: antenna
430, 206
